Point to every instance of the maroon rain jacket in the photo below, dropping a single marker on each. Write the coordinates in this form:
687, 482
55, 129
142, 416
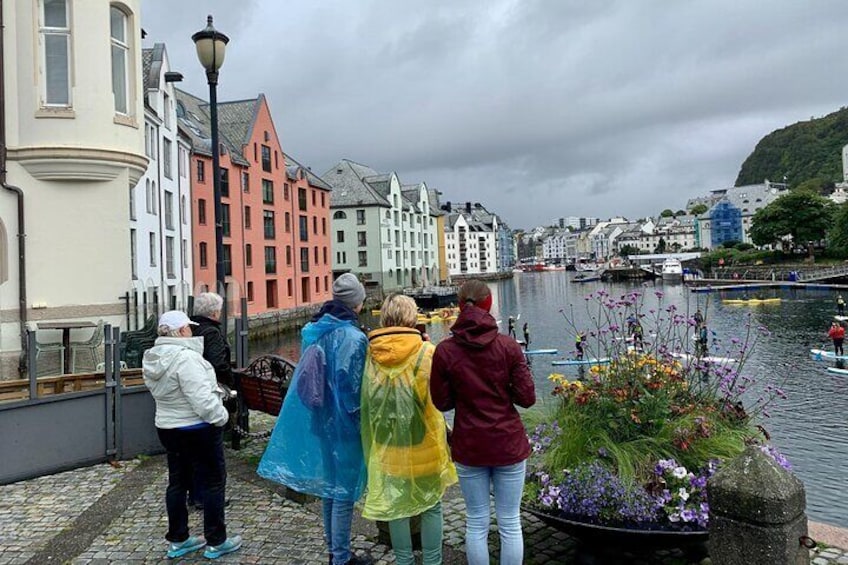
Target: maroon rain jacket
483, 375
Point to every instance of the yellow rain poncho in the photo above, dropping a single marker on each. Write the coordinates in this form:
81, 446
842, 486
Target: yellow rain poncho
403, 435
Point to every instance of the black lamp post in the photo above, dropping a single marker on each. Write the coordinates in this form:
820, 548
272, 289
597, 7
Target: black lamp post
211, 47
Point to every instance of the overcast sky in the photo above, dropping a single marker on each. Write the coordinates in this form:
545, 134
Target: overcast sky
537, 108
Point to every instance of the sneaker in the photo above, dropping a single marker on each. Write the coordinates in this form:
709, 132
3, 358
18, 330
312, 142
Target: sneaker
215, 551
184, 548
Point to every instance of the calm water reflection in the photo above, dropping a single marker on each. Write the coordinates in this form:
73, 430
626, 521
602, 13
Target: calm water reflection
810, 426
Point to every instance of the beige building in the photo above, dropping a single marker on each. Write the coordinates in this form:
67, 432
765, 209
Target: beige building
74, 129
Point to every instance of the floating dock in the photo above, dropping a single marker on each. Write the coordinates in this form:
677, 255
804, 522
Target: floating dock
718, 285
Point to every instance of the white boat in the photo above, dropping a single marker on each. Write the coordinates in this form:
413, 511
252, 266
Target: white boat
672, 270
587, 267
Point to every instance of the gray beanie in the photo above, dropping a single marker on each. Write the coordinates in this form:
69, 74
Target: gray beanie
348, 290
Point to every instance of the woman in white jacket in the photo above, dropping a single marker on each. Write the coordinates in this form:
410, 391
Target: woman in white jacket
190, 419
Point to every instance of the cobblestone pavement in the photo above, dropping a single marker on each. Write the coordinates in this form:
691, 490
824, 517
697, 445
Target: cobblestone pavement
104, 514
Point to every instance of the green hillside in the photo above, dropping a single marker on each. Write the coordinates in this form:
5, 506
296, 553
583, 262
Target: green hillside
802, 151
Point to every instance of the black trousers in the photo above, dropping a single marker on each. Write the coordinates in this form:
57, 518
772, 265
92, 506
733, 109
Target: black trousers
195, 455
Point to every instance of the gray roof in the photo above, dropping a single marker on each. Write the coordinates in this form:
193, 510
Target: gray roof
295, 169
435, 205
349, 187
752, 197
236, 119
193, 117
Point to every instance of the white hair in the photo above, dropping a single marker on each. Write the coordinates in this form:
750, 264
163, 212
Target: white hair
207, 303
167, 331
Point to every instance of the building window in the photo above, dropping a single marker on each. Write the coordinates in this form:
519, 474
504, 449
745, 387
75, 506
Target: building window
133, 254
323, 202
166, 158
266, 158
55, 45
290, 287
182, 162
314, 225
286, 191
132, 203
169, 256
225, 219
247, 217
340, 236
326, 283
288, 255
276, 159
183, 217
363, 258
120, 59
228, 260
315, 255
323, 225
270, 260
151, 247
201, 171
325, 256
245, 181
304, 259
361, 239
304, 228
204, 255
271, 294
268, 224
201, 212
288, 222
267, 191
301, 199
339, 215
250, 291
225, 182
169, 210
185, 253
360, 217
248, 255
313, 204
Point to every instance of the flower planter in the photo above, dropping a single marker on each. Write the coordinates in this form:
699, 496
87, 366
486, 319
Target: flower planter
637, 540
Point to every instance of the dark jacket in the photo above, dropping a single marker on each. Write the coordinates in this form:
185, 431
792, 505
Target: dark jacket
216, 350
483, 375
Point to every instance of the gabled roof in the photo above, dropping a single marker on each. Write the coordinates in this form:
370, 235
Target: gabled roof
193, 116
294, 169
236, 119
349, 188
435, 205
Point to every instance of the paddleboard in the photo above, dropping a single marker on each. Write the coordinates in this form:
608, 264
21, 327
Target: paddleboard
601, 361
840, 318
742, 301
837, 371
707, 359
541, 352
821, 355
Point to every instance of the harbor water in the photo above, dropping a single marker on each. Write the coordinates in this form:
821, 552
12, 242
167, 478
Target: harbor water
809, 426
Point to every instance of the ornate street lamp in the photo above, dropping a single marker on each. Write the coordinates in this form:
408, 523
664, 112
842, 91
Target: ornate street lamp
211, 47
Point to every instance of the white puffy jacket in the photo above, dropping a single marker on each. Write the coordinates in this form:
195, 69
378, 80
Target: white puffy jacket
182, 383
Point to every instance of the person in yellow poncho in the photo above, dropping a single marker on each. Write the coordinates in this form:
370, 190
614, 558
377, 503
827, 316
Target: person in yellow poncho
403, 435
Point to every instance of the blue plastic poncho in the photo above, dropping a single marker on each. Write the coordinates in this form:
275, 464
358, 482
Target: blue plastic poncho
316, 447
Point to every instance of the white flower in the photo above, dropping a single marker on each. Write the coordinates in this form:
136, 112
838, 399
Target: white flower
679, 472
674, 517
683, 494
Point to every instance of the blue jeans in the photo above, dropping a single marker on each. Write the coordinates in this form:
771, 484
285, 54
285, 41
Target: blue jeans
431, 537
195, 454
507, 484
338, 515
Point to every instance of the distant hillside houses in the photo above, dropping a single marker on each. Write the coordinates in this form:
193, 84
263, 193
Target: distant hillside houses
477, 241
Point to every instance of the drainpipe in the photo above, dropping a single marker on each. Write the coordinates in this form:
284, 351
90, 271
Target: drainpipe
22, 363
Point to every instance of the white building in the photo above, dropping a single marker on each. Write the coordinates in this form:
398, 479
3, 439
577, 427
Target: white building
159, 209
471, 239
736, 205
75, 136
382, 231
602, 238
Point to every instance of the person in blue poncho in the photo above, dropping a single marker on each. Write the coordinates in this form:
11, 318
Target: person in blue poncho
316, 447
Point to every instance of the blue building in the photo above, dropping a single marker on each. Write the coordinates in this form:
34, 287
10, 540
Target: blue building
726, 220
506, 248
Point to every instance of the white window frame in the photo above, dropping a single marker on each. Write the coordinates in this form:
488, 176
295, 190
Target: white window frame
44, 32
123, 45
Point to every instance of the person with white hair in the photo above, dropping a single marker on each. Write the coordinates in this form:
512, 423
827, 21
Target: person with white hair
190, 419
207, 317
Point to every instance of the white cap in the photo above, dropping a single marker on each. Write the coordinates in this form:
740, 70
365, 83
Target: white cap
174, 320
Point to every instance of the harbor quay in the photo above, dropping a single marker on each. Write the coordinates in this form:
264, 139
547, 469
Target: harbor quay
114, 513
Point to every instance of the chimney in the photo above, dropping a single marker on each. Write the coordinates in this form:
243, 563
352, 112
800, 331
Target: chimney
468, 207
477, 205
447, 207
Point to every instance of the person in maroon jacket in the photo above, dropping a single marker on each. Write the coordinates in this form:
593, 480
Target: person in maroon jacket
483, 375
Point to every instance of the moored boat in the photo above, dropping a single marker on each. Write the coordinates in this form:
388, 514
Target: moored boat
672, 270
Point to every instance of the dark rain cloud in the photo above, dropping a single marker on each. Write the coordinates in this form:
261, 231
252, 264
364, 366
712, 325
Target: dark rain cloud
538, 108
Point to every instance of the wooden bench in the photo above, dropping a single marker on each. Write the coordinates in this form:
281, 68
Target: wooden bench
261, 386
18, 389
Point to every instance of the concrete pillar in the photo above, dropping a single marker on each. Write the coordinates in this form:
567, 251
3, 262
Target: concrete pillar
756, 513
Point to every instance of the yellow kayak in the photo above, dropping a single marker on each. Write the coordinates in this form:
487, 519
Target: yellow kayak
742, 302
375, 313
445, 313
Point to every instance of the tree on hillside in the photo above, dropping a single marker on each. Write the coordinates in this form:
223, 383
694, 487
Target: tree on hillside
837, 237
680, 213
698, 209
667, 213
816, 185
803, 215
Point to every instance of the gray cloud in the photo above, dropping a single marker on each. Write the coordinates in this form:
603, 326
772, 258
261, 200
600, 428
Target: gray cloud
539, 108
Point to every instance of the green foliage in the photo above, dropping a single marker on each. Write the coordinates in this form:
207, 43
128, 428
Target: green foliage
626, 250
661, 245
802, 151
742, 246
680, 213
803, 215
837, 237
698, 209
667, 213
730, 244
815, 186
